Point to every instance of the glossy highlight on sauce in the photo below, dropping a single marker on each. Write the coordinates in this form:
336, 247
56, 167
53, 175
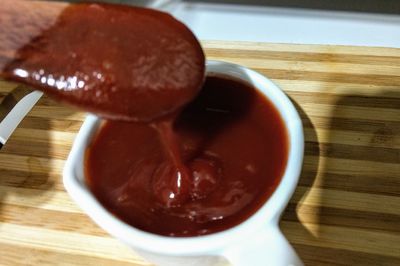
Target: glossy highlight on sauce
233, 144
120, 62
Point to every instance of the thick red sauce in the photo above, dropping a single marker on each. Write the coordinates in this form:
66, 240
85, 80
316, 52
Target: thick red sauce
234, 148
120, 62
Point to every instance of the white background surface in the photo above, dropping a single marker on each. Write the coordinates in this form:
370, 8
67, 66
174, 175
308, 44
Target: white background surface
285, 25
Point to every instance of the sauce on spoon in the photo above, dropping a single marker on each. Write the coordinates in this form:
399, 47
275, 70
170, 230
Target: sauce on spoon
124, 63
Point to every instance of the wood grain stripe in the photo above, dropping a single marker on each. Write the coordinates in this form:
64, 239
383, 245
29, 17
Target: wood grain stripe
351, 167
342, 90
6, 86
352, 239
388, 129
49, 219
31, 164
24, 179
342, 217
36, 198
320, 57
13, 254
364, 153
57, 112
349, 69
36, 148
378, 101
372, 79
59, 241
304, 48
340, 200
382, 184
63, 125
353, 138
323, 256
54, 137
353, 112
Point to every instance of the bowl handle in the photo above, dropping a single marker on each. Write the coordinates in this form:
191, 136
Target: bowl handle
265, 247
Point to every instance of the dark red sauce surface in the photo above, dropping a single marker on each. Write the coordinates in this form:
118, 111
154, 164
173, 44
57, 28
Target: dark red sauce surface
234, 150
116, 61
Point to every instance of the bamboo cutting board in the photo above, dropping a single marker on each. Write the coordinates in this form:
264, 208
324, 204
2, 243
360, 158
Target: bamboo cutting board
345, 211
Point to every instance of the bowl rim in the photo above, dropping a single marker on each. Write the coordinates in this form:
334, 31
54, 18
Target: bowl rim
267, 215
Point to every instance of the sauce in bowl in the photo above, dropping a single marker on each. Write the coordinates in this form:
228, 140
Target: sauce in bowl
233, 143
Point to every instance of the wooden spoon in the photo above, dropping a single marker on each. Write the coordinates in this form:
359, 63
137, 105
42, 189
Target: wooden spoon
120, 62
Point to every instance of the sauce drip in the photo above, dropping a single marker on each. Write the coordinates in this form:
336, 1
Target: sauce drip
120, 62
234, 148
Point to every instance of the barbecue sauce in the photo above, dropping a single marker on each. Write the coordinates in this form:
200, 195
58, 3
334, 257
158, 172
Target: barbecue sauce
233, 146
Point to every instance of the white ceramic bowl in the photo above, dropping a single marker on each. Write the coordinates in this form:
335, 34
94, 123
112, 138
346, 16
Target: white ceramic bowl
256, 241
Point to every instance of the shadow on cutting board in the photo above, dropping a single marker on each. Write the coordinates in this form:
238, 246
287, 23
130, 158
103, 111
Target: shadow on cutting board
363, 163
348, 213
306, 180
